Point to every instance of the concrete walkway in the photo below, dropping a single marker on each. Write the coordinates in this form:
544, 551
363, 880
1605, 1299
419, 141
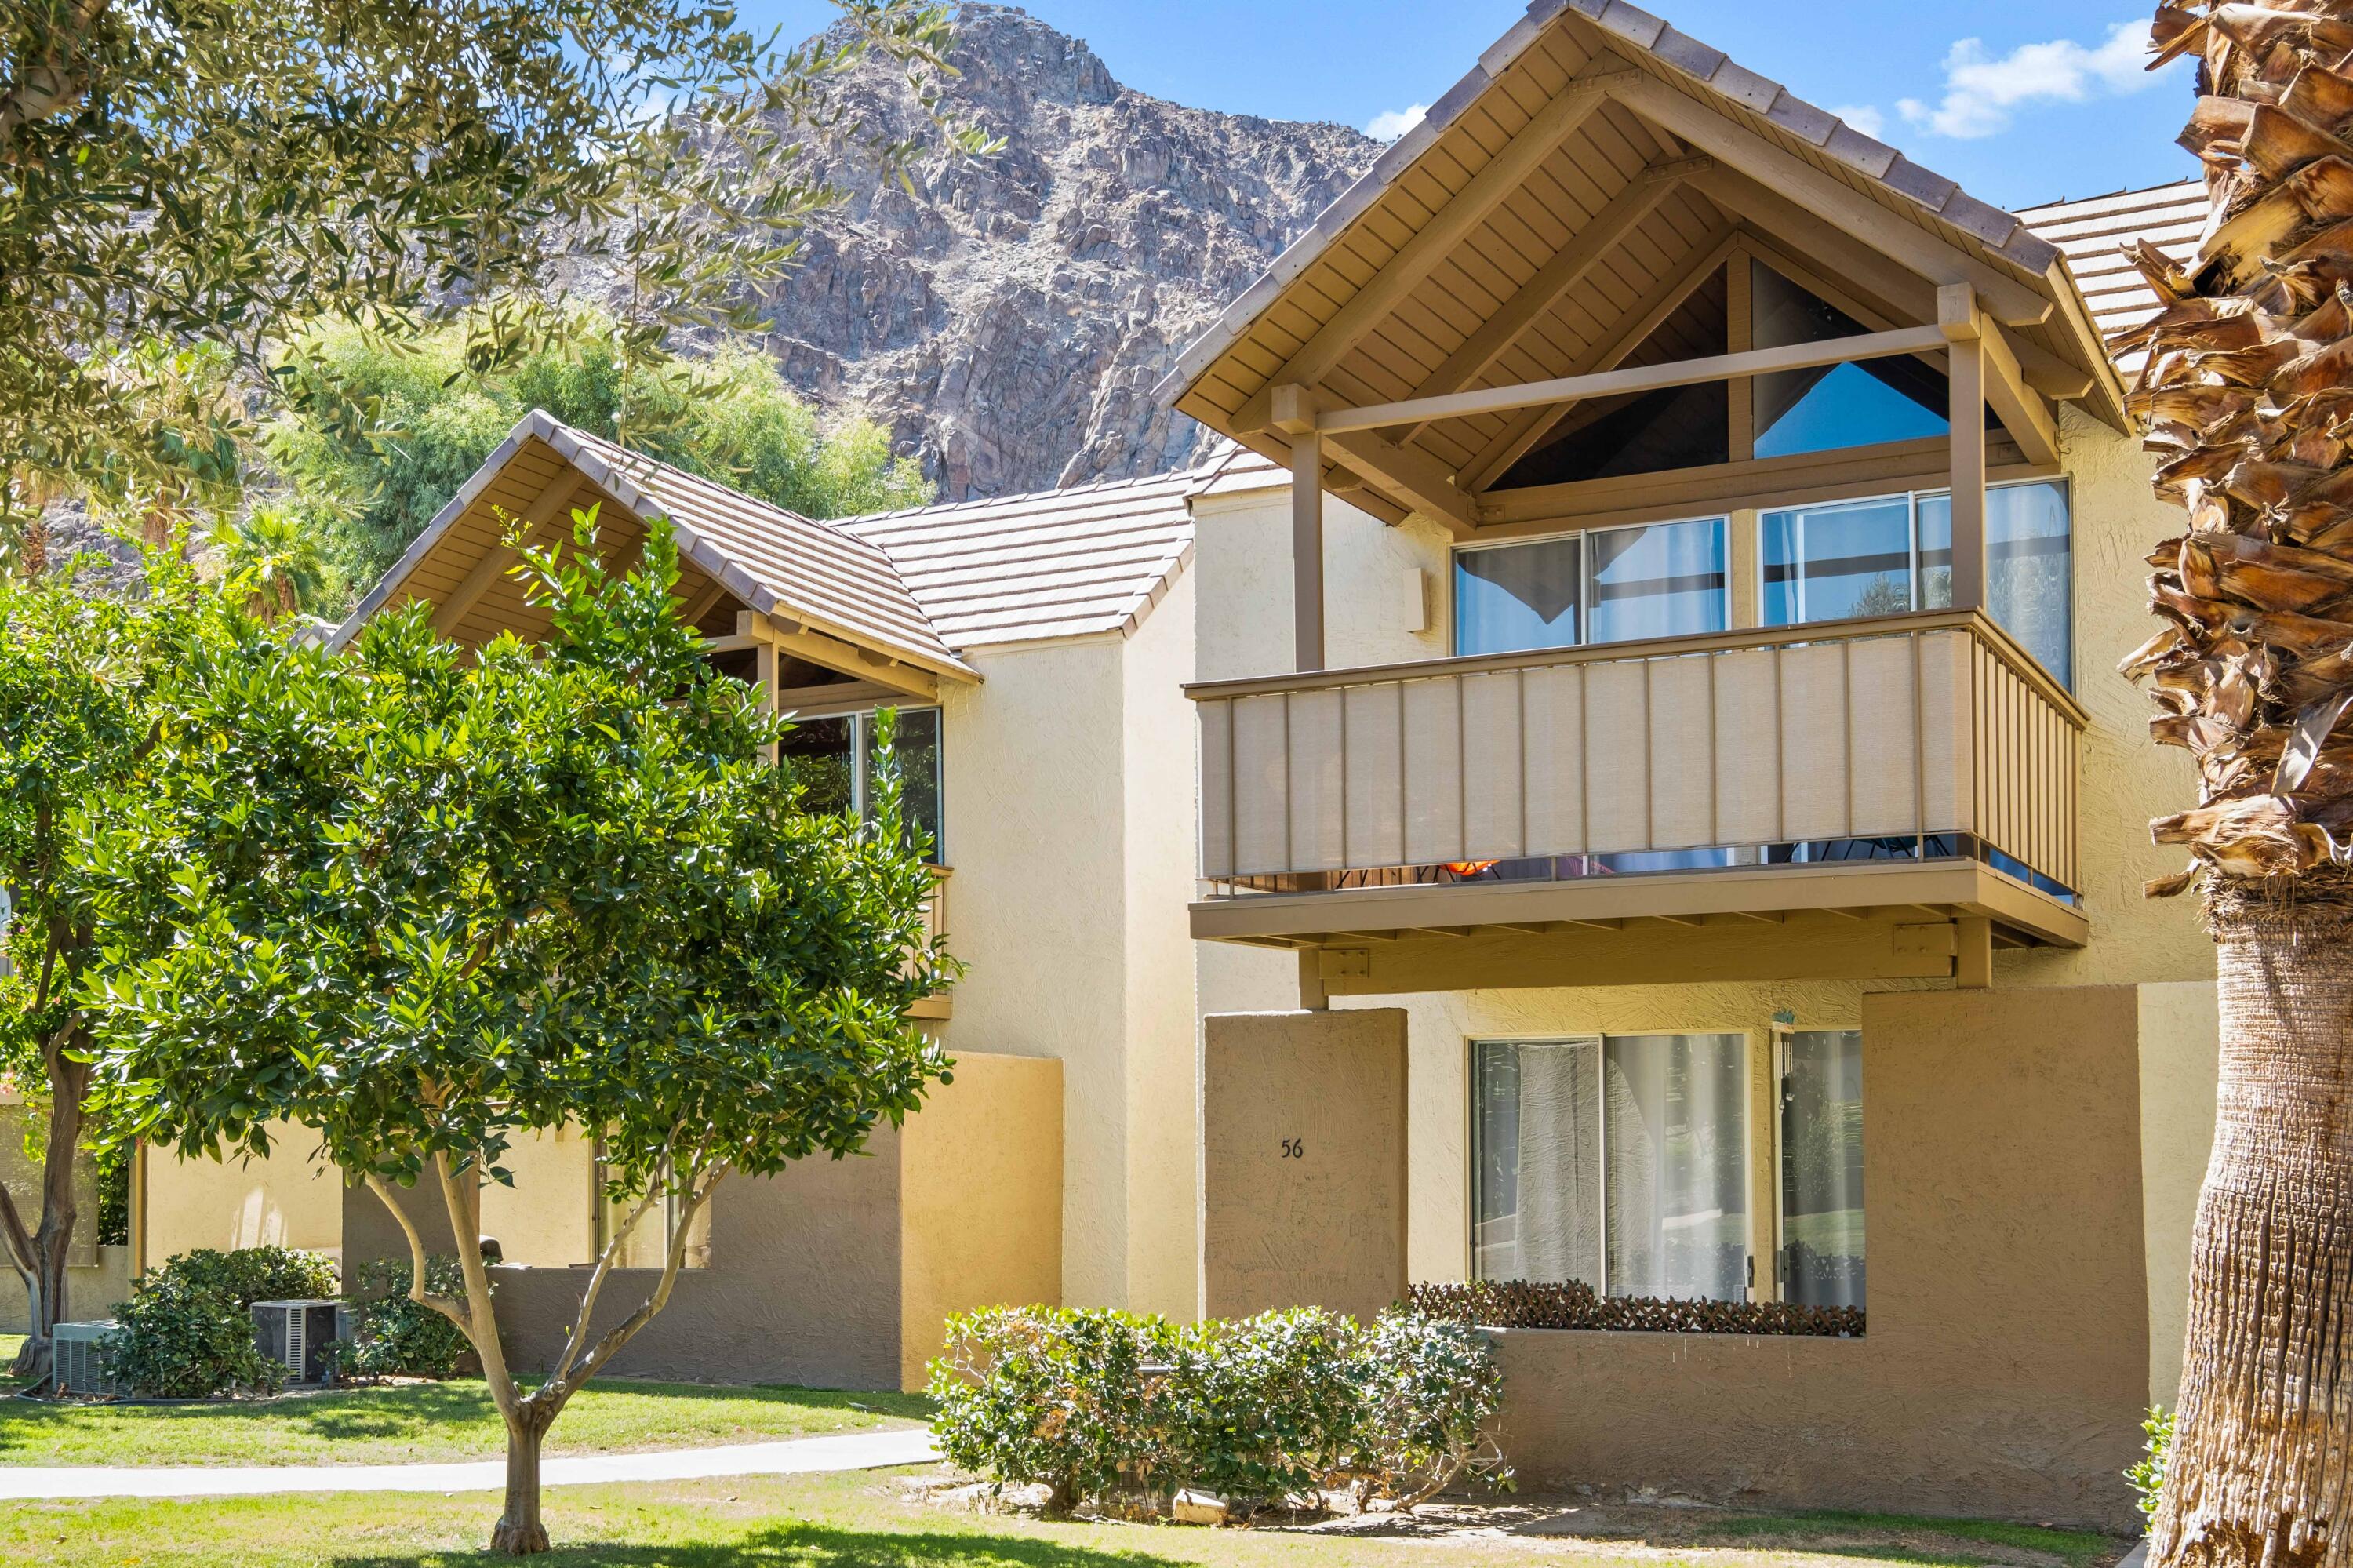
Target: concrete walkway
799, 1457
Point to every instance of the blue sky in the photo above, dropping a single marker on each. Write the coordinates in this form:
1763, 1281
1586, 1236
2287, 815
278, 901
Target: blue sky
2020, 101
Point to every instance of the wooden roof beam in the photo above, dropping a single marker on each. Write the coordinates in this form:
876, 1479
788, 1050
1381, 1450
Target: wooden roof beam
1846, 350
1664, 299
1553, 124
834, 653
1600, 235
1408, 476
2011, 303
544, 509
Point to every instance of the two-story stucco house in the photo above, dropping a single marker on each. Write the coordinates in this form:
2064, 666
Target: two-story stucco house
1668, 817
1035, 653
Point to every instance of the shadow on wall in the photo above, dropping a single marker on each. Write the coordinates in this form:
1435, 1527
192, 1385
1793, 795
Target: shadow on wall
818, 1546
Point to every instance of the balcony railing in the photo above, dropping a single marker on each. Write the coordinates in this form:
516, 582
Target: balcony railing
1934, 728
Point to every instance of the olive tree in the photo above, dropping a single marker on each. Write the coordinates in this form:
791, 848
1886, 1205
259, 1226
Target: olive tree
211, 172
428, 899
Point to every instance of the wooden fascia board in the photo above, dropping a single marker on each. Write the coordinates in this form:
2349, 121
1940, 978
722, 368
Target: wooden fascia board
1567, 389
1600, 234
2012, 302
834, 653
1469, 206
1664, 299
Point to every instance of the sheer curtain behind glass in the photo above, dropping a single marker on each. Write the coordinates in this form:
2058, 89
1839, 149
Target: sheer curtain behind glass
2030, 567
1821, 1167
1676, 1163
1667, 580
1538, 1156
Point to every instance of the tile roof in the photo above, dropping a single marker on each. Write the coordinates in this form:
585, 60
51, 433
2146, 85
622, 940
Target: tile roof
1061, 563
2092, 233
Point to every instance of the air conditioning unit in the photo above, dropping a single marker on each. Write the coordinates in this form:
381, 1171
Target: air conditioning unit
74, 1361
295, 1334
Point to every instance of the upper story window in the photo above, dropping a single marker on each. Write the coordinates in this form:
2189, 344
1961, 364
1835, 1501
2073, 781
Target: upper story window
835, 759
1828, 406
1612, 585
1895, 553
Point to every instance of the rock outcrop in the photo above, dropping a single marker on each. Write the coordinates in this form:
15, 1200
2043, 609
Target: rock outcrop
1007, 321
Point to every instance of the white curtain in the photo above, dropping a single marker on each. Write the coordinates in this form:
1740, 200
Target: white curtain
1676, 1109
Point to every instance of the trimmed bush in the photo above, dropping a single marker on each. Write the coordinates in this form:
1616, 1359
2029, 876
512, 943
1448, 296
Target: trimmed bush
187, 1330
1523, 1304
397, 1336
1106, 1406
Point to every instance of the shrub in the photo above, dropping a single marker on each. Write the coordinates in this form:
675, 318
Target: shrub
2148, 1477
1094, 1405
1523, 1304
187, 1330
398, 1337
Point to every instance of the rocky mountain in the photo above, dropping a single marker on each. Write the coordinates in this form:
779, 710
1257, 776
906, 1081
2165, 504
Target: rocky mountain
1009, 320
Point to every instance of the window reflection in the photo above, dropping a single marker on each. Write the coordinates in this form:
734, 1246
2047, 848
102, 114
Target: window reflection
1520, 596
1663, 580
835, 761
1828, 563
1828, 406
2030, 567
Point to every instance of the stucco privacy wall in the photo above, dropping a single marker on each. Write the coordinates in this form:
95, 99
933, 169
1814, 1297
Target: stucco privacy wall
292, 1198
980, 1199
1303, 1147
802, 1287
2181, 1038
2007, 1361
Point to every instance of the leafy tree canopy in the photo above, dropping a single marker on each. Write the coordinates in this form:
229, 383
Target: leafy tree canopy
371, 486
179, 172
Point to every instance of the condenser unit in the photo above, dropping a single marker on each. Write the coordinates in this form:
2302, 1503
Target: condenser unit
295, 1334
74, 1361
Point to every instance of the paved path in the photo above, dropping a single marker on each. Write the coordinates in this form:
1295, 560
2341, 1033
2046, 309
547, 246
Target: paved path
801, 1456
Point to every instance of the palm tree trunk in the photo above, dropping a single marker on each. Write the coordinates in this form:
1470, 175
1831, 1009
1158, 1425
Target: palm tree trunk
2260, 1474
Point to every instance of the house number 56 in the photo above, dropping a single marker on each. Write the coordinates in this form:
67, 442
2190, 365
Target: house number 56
1295, 1149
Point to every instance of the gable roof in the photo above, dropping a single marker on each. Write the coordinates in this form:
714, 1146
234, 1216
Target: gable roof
1060, 563
2092, 234
777, 562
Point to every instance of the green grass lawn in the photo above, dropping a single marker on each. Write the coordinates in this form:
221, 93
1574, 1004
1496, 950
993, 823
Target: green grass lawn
869, 1522
420, 1421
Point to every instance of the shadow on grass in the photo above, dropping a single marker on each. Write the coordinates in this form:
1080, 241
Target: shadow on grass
404, 1410
808, 1546
1882, 1535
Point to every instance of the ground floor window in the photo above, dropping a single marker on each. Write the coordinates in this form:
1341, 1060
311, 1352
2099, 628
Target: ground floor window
1627, 1162
1821, 1167
1620, 1162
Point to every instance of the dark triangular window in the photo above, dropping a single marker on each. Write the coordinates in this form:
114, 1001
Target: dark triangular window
1829, 406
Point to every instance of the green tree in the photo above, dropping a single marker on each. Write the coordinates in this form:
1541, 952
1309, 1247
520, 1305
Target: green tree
204, 172
426, 901
275, 549
82, 684
726, 414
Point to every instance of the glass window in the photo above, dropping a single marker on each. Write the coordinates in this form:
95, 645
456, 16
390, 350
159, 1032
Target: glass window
1620, 1162
1666, 579
2030, 567
1520, 596
1829, 406
1827, 563
820, 753
1821, 1167
646, 1243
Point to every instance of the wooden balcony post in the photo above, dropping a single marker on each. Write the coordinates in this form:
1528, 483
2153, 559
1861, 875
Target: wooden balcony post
1957, 313
1294, 416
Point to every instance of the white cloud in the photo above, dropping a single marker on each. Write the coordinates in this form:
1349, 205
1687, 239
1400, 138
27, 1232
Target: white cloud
1863, 118
1390, 125
1981, 91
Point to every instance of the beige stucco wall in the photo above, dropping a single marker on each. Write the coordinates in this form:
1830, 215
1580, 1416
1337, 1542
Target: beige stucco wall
1303, 1138
2006, 1360
2181, 1035
980, 1199
547, 1216
96, 1277
290, 1199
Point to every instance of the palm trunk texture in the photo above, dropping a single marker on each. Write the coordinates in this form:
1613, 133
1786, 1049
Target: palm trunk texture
2247, 396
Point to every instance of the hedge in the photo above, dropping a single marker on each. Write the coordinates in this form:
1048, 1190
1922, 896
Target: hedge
187, 1330
1282, 1408
1525, 1304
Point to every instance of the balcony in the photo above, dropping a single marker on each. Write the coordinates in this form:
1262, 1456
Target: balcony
1890, 797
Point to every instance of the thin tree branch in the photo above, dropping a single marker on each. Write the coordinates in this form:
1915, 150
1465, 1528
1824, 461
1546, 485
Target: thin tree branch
466, 1225
20, 1240
625, 1330
605, 1264
416, 1291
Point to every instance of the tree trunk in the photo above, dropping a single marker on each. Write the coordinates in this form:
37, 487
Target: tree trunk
2260, 1474
519, 1532
52, 1239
